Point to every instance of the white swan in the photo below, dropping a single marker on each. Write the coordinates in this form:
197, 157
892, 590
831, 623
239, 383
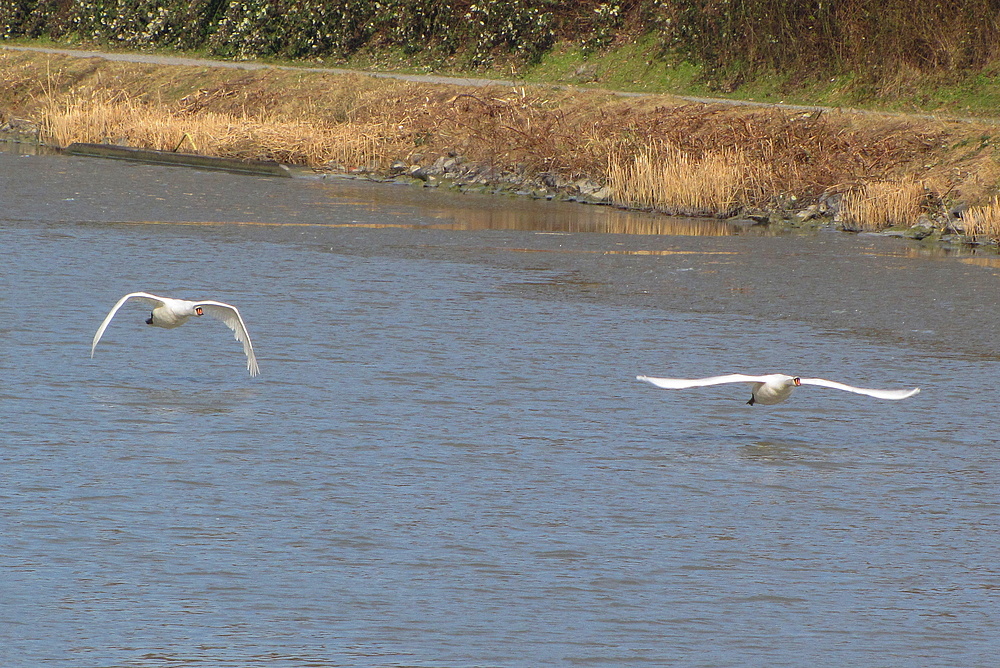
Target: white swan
773, 388
169, 313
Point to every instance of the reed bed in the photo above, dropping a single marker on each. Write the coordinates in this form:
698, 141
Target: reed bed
882, 204
668, 180
984, 220
134, 123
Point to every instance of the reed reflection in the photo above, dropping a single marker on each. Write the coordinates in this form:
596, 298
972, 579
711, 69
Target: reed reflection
607, 222
570, 218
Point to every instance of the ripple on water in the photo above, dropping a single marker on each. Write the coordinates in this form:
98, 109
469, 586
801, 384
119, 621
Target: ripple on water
446, 459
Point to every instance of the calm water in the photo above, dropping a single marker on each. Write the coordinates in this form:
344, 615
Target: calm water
446, 460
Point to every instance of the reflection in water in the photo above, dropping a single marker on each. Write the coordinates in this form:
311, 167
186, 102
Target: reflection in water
669, 252
583, 219
817, 456
610, 221
578, 219
146, 399
467, 211
911, 251
588, 251
784, 450
25, 148
988, 262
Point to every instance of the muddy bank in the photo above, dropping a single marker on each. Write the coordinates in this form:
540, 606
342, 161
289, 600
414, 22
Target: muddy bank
864, 172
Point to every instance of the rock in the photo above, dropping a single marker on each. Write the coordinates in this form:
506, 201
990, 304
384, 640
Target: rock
923, 229
917, 232
958, 210
437, 167
829, 205
808, 213
758, 216
586, 186
418, 172
554, 180
954, 226
603, 194
19, 126
397, 167
957, 239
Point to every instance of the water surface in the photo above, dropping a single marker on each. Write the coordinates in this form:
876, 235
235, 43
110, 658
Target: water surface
446, 459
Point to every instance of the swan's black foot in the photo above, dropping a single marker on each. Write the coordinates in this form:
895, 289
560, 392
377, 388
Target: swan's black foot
752, 401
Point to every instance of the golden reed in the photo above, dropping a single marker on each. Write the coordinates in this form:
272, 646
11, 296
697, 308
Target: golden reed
882, 204
132, 123
984, 220
666, 179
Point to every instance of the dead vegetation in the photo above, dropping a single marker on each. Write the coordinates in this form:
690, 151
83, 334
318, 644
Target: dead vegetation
665, 178
121, 120
879, 205
984, 220
655, 153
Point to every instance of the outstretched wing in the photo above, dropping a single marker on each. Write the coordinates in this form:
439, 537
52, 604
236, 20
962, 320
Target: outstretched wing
145, 296
684, 383
228, 314
878, 394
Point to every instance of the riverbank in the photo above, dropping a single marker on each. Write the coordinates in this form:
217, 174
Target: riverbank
914, 176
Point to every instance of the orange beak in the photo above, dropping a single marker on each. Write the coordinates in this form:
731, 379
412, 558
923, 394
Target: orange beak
796, 381
197, 309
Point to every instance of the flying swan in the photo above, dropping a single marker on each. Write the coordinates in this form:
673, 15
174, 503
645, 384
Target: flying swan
169, 313
773, 388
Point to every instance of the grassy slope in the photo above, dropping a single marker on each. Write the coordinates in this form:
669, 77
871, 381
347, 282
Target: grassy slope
637, 66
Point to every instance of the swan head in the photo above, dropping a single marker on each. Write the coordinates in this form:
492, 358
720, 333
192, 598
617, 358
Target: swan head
199, 310
796, 381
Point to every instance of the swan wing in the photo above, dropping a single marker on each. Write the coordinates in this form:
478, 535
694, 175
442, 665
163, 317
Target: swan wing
145, 296
878, 394
684, 383
229, 314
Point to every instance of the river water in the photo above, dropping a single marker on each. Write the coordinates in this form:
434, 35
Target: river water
447, 460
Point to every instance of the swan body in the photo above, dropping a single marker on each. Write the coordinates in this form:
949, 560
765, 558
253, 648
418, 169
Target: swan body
773, 388
170, 313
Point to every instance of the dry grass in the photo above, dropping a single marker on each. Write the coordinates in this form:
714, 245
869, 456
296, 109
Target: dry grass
984, 220
666, 179
806, 153
882, 204
122, 120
